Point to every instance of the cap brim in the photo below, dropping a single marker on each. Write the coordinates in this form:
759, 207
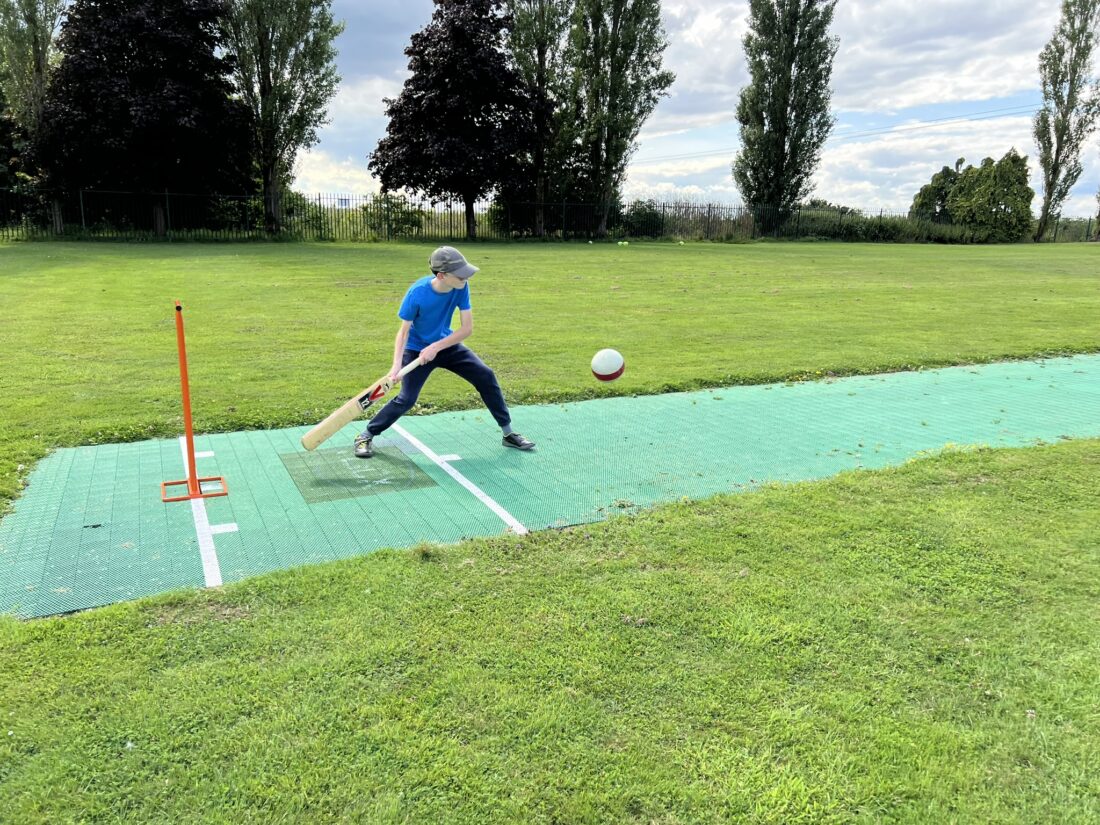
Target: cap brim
465, 272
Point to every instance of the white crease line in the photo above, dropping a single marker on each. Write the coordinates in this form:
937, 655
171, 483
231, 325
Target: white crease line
480, 494
205, 454
450, 458
211, 568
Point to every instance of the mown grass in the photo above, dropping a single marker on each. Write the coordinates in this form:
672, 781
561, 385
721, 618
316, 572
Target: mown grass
910, 645
280, 334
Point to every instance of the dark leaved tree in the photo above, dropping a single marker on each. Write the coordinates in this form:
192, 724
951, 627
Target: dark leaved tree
141, 101
462, 123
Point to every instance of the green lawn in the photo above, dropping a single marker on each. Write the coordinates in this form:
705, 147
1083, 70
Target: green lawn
280, 334
913, 645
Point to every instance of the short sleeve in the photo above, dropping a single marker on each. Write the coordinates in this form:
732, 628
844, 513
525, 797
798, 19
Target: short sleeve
407, 312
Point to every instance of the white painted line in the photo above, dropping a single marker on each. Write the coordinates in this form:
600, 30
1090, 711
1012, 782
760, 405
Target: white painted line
211, 568
500, 512
450, 458
231, 527
205, 454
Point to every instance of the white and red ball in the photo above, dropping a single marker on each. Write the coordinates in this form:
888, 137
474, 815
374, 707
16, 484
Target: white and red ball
607, 365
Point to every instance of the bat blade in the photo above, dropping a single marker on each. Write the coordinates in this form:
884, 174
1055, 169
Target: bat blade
351, 409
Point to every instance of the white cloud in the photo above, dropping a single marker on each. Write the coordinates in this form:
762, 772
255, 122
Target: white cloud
318, 171
885, 172
339, 162
363, 98
876, 172
896, 54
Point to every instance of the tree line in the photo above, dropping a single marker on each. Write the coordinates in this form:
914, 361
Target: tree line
556, 92
785, 120
202, 96
535, 101
529, 102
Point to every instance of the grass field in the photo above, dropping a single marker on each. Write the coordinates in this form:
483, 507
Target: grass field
279, 334
916, 645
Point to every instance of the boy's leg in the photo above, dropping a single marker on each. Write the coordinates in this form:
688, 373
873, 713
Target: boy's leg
411, 385
463, 362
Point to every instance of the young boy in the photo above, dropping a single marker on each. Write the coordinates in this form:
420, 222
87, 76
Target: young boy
425, 335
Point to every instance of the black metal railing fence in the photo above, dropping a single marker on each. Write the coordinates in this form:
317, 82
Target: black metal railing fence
94, 214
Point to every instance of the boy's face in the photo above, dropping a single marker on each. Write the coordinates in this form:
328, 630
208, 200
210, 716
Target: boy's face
450, 281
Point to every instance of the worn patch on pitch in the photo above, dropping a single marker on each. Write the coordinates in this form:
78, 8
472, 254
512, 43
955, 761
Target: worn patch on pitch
334, 474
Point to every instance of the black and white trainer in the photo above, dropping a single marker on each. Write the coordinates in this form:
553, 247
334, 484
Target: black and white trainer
518, 441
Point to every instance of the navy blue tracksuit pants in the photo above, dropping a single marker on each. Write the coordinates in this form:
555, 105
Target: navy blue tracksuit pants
463, 362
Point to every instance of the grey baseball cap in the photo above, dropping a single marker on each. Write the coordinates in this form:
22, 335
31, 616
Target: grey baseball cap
449, 260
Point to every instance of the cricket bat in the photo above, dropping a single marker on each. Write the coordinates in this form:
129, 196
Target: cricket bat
352, 409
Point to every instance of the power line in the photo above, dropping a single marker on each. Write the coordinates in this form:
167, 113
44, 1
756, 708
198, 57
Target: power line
988, 114
931, 124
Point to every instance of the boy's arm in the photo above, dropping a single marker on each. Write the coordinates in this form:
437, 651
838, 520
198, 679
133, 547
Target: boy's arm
399, 348
456, 337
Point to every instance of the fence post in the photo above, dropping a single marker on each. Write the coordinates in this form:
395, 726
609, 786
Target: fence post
168, 214
563, 219
83, 223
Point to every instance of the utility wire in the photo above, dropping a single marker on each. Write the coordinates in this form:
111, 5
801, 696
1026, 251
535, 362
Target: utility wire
988, 114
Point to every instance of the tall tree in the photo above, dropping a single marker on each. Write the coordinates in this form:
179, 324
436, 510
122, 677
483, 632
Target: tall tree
1071, 103
784, 112
462, 122
140, 101
994, 199
537, 44
615, 55
286, 73
28, 29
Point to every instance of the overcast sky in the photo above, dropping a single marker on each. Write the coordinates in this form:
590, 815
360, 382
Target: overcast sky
916, 85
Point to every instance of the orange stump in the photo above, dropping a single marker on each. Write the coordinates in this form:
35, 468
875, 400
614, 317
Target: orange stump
193, 482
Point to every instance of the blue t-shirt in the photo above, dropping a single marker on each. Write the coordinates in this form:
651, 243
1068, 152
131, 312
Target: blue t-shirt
431, 312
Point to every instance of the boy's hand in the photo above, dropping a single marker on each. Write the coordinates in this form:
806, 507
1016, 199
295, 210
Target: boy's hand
429, 353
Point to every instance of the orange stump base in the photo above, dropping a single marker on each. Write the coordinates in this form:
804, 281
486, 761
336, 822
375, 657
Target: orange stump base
194, 490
